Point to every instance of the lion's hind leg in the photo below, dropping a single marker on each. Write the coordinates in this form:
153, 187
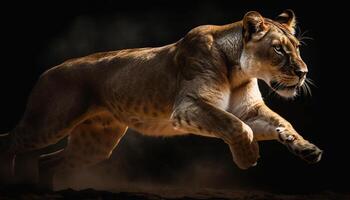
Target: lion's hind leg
55, 106
89, 143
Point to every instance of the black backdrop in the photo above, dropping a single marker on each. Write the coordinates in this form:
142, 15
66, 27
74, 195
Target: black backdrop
37, 37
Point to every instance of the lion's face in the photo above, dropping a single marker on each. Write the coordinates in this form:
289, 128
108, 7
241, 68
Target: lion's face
271, 52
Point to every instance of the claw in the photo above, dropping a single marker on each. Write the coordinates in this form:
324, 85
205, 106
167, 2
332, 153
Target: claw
284, 137
290, 138
280, 129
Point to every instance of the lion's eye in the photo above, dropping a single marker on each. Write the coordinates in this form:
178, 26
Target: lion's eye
278, 49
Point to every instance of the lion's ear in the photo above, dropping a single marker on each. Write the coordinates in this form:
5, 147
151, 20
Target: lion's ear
254, 26
287, 18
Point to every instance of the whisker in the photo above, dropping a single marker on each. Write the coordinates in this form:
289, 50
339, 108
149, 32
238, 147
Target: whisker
302, 37
270, 91
304, 92
311, 82
298, 30
306, 38
307, 92
274, 91
308, 89
302, 34
279, 85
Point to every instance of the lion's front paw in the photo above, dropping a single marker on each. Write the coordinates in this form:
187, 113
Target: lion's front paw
300, 147
244, 149
306, 151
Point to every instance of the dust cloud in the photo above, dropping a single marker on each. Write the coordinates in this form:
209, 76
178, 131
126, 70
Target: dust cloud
145, 164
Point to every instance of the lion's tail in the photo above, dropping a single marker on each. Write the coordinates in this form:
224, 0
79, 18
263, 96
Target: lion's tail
6, 159
4, 141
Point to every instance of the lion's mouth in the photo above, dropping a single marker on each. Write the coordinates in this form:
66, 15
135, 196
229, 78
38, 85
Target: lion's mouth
280, 86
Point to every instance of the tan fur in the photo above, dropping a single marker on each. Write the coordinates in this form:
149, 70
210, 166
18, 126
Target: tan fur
204, 84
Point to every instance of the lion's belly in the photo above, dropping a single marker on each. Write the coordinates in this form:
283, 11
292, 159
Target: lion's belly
152, 126
150, 118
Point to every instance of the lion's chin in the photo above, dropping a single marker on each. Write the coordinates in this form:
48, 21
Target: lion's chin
287, 93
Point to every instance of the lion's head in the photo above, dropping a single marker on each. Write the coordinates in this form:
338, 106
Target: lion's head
271, 52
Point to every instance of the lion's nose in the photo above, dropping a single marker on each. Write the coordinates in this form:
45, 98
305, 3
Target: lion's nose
300, 73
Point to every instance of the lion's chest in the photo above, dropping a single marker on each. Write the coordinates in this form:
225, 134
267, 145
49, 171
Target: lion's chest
243, 98
223, 100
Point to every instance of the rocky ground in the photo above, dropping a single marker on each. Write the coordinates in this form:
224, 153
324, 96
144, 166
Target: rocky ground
26, 193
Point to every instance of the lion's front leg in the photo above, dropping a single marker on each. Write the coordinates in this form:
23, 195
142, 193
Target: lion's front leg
267, 125
201, 118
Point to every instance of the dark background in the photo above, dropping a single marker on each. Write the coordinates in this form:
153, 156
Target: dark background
37, 37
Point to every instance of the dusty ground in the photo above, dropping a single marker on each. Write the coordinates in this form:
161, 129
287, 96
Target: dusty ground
26, 193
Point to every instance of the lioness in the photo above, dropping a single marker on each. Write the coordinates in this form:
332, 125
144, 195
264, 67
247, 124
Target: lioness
204, 84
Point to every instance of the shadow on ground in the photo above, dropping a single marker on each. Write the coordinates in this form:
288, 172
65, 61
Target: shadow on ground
22, 192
